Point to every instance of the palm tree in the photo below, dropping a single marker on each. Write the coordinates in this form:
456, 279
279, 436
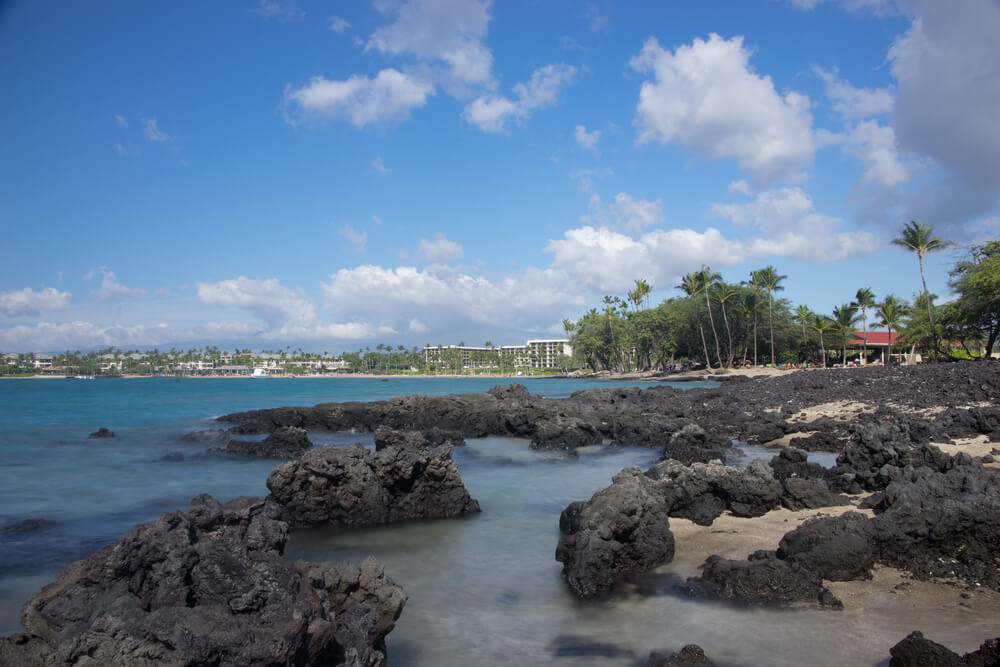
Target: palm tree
865, 299
820, 324
723, 293
643, 289
802, 316
891, 312
609, 309
707, 279
845, 316
748, 306
917, 238
690, 285
769, 279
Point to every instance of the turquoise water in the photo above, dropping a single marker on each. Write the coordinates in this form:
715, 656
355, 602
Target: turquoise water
483, 590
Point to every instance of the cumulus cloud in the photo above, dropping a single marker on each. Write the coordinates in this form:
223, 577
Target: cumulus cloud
587, 140
706, 97
378, 166
111, 287
491, 113
120, 120
361, 100
404, 297
851, 102
28, 302
636, 214
287, 315
875, 146
449, 31
440, 250
338, 25
947, 70
792, 227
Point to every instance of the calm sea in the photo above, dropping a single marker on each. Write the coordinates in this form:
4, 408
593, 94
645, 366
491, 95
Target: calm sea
483, 590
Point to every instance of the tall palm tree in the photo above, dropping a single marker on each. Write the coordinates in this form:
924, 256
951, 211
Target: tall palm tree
643, 288
723, 293
609, 309
691, 286
865, 299
707, 279
845, 316
748, 306
769, 279
918, 238
891, 312
820, 324
802, 316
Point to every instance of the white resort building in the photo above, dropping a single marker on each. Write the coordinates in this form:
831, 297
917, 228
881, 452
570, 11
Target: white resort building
533, 354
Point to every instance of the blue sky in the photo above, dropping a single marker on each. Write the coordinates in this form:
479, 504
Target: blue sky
337, 174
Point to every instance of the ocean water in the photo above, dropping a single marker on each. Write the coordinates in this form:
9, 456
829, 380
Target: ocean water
483, 590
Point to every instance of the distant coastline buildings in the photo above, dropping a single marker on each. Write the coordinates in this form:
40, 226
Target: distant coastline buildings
537, 353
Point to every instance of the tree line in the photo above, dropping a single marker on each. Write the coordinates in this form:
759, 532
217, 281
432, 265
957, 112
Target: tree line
725, 324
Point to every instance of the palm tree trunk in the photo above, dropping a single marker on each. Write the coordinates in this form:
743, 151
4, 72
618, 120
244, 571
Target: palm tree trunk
711, 319
822, 349
930, 311
770, 323
729, 334
755, 338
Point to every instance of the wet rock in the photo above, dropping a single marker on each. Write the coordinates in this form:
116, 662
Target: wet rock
692, 444
288, 442
917, 651
702, 492
820, 441
352, 486
25, 527
620, 531
692, 654
564, 432
215, 437
763, 579
792, 462
102, 433
389, 437
207, 586
514, 391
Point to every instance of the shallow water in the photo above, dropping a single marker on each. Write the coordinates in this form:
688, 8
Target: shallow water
483, 590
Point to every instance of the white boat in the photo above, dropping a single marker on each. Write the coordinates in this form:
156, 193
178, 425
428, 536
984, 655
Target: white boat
259, 373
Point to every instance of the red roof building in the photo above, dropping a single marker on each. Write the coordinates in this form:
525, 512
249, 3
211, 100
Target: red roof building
875, 338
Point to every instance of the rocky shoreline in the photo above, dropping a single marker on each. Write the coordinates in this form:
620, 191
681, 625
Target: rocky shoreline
901, 495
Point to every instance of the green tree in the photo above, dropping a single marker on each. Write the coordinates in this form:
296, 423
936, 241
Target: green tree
749, 305
919, 239
802, 316
976, 280
845, 316
865, 299
691, 286
821, 325
725, 292
769, 279
707, 279
891, 313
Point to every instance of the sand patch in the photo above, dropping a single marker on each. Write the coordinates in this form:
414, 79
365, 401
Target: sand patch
840, 410
976, 447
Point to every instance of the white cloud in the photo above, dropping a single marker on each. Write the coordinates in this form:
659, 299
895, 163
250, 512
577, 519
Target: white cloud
152, 132
707, 97
491, 112
636, 214
120, 150
596, 19
377, 220
389, 97
110, 285
378, 166
120, 120
357, 239
280, 11
947, 70
876, 7
740, 186
853, 103
439, 298
440, 250
29, 302
875, 146
587, 140
338, 25
792, 227
440, 30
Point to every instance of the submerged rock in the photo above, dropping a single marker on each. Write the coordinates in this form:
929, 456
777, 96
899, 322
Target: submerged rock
915, 650
208, 586
352, 486
288, 442
433, 437
103, 433
692, 654
763, 579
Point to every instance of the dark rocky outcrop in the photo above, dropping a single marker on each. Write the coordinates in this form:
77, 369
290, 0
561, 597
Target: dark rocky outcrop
915, 650
103, 433
352, 486
702, 491
621, 530
967, 423
804, 484
388, 437
762, 579
692, 654
287, 442
208, 586
835, 548
820, 441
